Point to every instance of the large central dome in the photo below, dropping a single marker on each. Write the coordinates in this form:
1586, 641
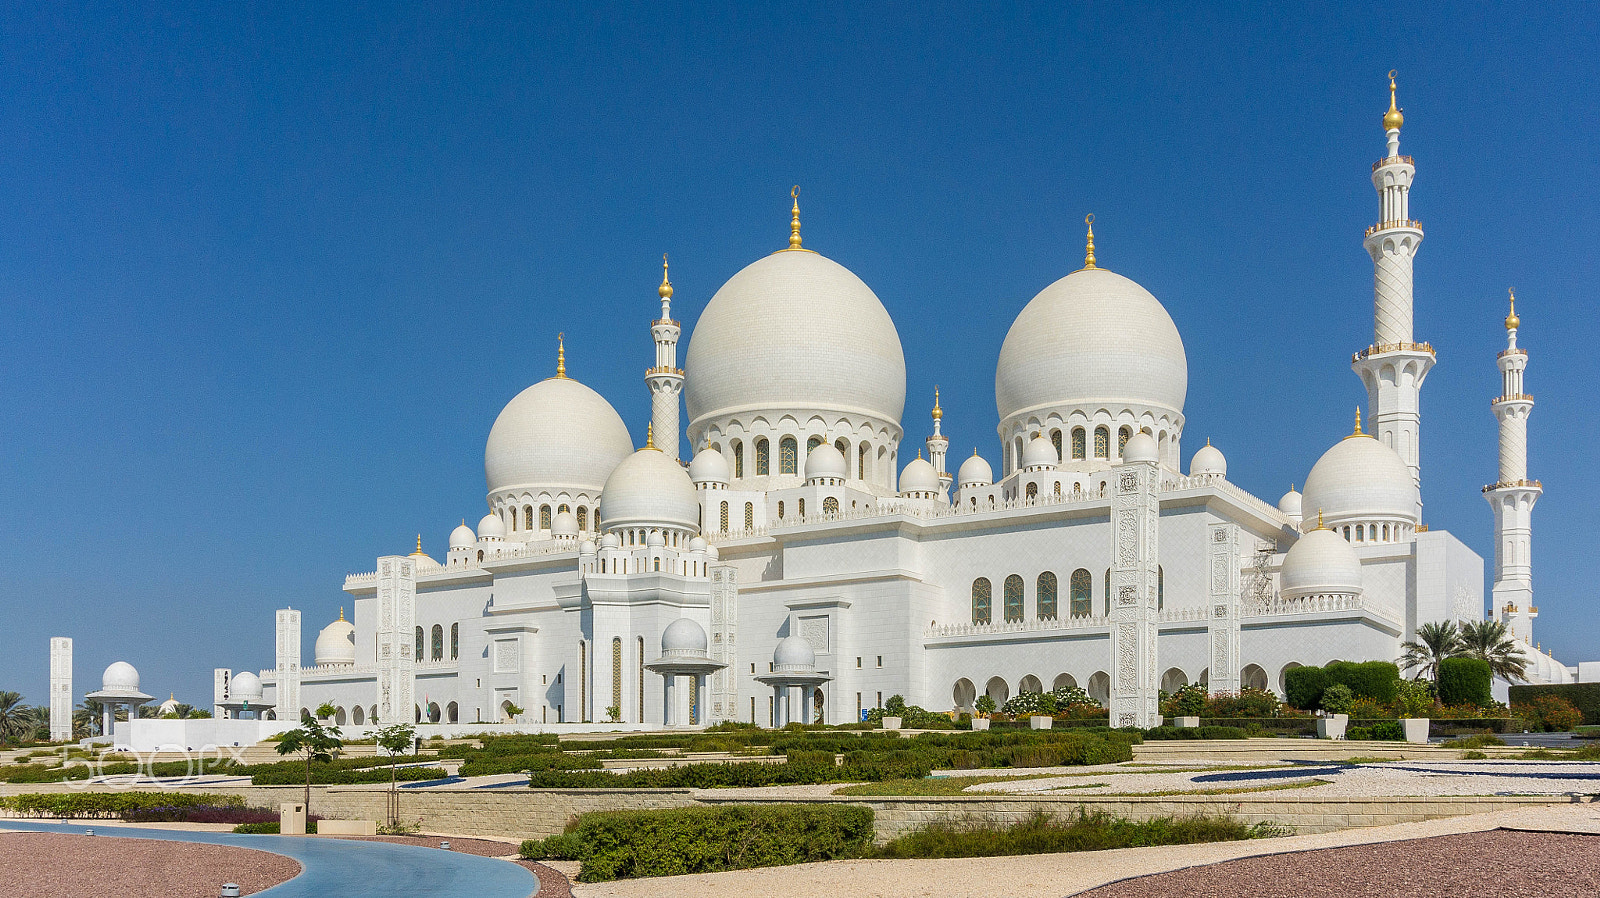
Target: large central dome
1092, 339
557, 433
795, 331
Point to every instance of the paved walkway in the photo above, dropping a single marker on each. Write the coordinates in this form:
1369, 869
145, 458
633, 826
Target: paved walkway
346, 868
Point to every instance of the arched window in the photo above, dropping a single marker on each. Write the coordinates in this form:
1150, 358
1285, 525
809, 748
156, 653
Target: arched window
1033, 491
982, 596
863, 456
1079, 450
583, 681
1055, 440
763, 458
527, 518
544, 517
562, 508
1057, 490
749, 516
455, 642
802, 505
1013, 598
738, 459
1105, 596
1102, 442
843, 445
780, 510
583, 518
1045, 596
616, 680
1016, 454
639, 664
830, 505
437, 643
1124, 434
514, 517
724, 517
787, 463
419, 643
1161, 587
1081, 584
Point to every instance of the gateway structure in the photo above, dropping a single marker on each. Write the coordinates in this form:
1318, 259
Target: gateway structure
800, 568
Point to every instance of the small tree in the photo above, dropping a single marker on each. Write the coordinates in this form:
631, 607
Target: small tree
513, 712
326, 710
984, 705
1435, 642
395, 739
314, 742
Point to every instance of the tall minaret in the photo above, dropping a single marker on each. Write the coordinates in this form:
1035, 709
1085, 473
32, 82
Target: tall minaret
666, 378
1513, 496
1393, 367
937, 444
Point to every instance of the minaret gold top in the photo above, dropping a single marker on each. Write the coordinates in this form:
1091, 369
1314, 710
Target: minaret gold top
666, 286
1392, 120
794, 220
561, 355
937, 411
1512, 321
1088, 253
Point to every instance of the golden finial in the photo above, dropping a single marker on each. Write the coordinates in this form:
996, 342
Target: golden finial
419, 545
1392, 120
1088, 253
561, 355
1208, 441
666, 286
1319, 520
1357, 432
794, 221
341, 612
919, 455
974, 451
1512, 321
937, 411
650, 435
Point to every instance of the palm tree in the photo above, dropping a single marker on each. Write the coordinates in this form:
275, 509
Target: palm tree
1434, 643
86, 719
17, 721
1492, 641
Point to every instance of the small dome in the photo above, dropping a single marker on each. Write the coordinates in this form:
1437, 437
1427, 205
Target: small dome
1360, 479
683, 637
120, 677
712, 553
170, 706
564, 524
655, 540
425, 562
649, 487
919, 477
794, 653
1141, 447
557, 433
336, 644
245, 687
1290, 504
975, 472
491, 527
610, 541
1321, 562
709, 466
463, 538
826, 461
1209, 460
698, 544
1039, 453
586, 547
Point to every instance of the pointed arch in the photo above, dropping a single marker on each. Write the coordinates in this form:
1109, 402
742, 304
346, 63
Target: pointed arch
982, 598
1013, 598
1045, 596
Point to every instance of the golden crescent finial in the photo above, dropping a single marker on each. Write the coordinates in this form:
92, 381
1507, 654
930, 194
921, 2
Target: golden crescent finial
1512, 321
666, 286
419, 545
1088, 253
1392, 120
1357, 431
794, 220
937, 411
561, 355
650, 435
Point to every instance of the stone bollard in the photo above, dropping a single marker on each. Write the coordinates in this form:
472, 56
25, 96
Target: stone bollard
445, 845
230, 890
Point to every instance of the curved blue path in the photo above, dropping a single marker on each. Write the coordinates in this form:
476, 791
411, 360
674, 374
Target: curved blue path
345, 868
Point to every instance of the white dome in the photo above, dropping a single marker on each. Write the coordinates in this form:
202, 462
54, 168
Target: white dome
1091, 339
463, 538
709, 466
1360, 479
1039, 453
712, 553
975, 472
826, 461
336, 644
683, 637
655, 540
425, 562
1141, 447
919, 477
794, 653
491, 527
170, 706
586, 547
610, 541
795, 330
564, 524
120, 677
1209, 460
1321, 562
1290, 504
698, 544
649, 487
556, 433
245, 687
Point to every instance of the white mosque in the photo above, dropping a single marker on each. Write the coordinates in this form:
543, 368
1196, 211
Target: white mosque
800, 568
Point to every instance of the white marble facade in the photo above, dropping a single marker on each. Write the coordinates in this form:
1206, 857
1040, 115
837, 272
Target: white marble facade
1094, 560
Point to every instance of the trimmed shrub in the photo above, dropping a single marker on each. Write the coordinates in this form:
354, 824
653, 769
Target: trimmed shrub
272, 828
1583, 696
1161, 733
1549, 712
1303, 687
1337, 699
293, 773
1085, 831
1376, 680
627, 844
110, 804
1465, 681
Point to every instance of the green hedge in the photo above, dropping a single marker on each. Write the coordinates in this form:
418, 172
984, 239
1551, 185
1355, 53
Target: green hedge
293, 773
271, 829
1465, 681
626, 844
1157, 734
1586, 696
108, 804
1377, 680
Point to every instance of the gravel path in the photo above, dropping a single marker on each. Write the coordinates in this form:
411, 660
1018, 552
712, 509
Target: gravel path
1505, 864
51, 865
1400, 778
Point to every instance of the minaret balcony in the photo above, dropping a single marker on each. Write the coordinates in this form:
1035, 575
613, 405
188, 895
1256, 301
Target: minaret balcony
663, 369
1383, 348
1393, 224
1512, 397
1512, 351
1393, 160
1514, 484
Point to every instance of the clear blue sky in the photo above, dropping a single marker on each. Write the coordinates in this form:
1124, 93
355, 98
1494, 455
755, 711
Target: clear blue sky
269, 274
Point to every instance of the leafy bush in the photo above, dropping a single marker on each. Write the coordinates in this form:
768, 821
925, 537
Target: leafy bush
272, 827
1157, 734
1380, 731
626, 844
1583, 696
1337, 699
1085, 831
70, 805
1465, 681
293, 773
1413, 698
1549, 712
1027, 704
1478, 741
1188, 701
1376, 680
1473, 756
1304, 686
1247, 702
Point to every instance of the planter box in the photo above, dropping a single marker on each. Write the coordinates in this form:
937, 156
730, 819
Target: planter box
347, 828
980, 723
891, 723
1186, 722
1332, 726
1416, 729
1040, 722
